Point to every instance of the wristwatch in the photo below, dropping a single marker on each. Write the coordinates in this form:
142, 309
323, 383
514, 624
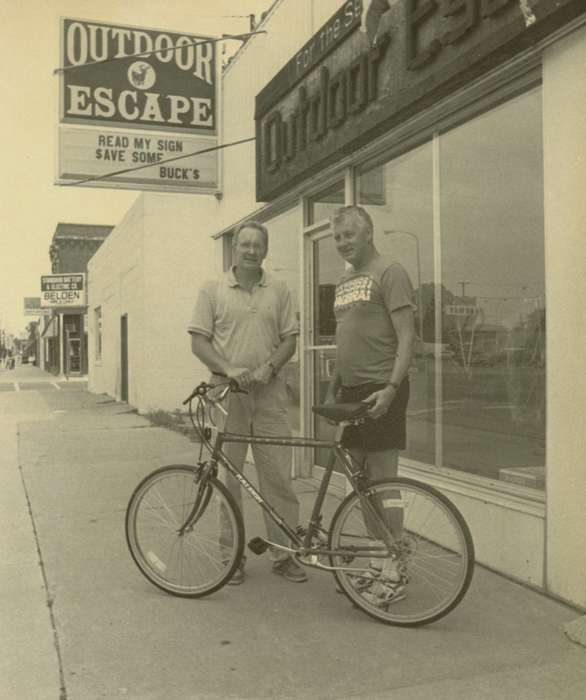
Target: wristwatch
395, 385
274, 370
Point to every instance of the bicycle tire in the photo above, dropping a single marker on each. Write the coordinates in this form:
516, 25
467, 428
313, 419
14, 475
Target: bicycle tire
195, 563
437, 559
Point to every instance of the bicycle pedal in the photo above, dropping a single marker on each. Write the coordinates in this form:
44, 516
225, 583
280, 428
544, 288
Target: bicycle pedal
258, 545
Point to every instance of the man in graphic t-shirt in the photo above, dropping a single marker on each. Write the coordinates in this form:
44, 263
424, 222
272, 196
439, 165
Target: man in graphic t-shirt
375, 334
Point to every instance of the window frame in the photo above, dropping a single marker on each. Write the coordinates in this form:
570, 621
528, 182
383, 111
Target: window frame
98, 326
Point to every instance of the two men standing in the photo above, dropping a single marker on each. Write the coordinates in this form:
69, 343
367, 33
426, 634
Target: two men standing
244, 326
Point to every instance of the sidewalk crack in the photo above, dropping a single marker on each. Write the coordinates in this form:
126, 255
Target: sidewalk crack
49, 598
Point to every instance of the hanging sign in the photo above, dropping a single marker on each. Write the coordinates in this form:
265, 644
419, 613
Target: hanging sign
58, 291
141, 81
32, 306
87, 153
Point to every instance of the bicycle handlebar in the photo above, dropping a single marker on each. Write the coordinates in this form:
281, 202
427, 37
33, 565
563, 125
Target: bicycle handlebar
203, 388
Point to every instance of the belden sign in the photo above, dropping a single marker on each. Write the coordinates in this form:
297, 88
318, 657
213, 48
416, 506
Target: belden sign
345, 88
62, 291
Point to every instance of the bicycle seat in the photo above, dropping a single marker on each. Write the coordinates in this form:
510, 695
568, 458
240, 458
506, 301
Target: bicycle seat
338, 412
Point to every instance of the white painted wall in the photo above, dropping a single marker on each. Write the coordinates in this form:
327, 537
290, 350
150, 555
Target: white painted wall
564, 130
179, 254
115, 282
151, 267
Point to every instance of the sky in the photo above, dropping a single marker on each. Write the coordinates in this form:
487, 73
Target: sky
31, 206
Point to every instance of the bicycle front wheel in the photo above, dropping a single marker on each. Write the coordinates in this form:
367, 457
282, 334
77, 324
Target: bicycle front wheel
186, 537
434, 553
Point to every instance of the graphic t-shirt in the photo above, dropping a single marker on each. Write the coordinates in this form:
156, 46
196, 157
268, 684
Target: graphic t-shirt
366, 339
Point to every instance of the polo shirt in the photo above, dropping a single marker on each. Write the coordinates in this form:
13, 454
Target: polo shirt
245, 327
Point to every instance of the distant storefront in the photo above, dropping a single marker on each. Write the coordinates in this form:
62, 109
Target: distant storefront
457, 126
63, 300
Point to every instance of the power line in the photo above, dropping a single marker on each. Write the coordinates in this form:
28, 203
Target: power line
212, 40
161, 162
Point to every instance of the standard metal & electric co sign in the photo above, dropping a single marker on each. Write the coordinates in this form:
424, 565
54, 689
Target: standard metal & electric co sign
58, 291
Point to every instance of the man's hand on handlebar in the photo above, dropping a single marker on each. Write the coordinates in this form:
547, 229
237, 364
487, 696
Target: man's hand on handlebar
241, 375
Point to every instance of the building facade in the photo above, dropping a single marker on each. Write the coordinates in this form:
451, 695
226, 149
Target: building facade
63, 333
459, 127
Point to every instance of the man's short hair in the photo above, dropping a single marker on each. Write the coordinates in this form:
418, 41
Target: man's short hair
261, 228
353, 210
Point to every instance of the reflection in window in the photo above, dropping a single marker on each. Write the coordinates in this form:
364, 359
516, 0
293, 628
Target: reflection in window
493, 301
328, 267
325, 203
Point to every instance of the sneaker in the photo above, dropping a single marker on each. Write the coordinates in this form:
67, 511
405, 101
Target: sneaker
392, 570
288, 568
384, 593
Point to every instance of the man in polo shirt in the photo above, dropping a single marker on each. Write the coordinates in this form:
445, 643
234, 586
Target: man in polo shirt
244, 326
375, 334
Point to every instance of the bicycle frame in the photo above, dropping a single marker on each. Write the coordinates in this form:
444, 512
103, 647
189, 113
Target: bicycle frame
303, 543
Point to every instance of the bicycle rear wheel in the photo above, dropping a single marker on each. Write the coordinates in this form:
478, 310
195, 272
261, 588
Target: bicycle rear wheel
201, 558
435, 553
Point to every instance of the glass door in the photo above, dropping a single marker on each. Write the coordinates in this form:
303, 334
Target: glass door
324, 268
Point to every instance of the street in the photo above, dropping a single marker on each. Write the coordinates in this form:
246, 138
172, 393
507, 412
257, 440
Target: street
85, 624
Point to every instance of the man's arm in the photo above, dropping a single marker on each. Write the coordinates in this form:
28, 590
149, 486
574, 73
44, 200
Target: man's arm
333, 388
404, 325
278, 359
202, 348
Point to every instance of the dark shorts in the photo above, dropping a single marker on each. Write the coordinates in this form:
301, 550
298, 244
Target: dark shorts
385, 433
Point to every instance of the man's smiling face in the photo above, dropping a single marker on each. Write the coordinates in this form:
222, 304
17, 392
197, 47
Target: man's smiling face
250, 249
353, 239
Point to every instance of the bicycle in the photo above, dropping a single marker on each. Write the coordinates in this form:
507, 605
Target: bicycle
181, 544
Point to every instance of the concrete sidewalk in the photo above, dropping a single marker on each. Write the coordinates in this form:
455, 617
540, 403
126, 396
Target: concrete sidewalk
87, 625
29, 664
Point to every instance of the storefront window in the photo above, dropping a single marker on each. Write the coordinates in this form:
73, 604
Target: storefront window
324, 203
493, 294
398, 197
478, 377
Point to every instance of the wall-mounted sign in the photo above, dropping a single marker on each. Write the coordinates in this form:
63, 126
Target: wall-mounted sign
346, 87
145, 80
62, 291
32, 306
87, 153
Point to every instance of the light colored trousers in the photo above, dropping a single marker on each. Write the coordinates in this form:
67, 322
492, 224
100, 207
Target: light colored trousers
263, 412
